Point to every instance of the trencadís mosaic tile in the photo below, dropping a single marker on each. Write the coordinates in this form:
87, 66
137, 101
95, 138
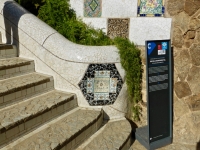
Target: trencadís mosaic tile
92, 8
118, 27
151, 8
101, 84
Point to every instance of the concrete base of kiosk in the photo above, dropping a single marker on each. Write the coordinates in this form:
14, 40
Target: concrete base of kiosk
142, 136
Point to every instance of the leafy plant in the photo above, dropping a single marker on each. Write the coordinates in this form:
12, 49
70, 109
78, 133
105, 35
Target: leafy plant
58, 15
131, 62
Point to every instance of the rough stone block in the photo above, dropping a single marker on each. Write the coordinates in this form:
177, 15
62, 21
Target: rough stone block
182, 64
195, 54
193, 79
182, 89
191, 7
180, 108
193, 102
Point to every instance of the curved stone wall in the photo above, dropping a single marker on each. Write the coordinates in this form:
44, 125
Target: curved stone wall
54, 55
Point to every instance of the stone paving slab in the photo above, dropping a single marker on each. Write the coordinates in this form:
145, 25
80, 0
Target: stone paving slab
57, 132
13, 62
174, 146
22, 82
114, 135
137, 146
21, 112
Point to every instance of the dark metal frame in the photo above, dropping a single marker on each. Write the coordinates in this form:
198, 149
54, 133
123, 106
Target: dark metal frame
142, 134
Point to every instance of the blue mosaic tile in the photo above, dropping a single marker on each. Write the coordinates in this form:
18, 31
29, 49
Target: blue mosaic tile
92, 8
151, 8
101, 84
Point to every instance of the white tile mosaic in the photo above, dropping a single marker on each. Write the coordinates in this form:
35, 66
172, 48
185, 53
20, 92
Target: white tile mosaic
119, 8
142, 29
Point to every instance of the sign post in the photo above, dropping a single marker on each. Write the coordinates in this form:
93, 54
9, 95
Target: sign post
158, 131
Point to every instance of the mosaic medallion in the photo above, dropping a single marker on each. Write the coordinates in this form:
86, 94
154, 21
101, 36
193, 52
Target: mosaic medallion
101, 84
92, 8
150, 8
118, 28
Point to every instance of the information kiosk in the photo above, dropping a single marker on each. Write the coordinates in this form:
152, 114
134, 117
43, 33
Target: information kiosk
158, 131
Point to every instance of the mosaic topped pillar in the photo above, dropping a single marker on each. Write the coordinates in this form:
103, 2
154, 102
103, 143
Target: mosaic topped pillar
92, 8
150, 8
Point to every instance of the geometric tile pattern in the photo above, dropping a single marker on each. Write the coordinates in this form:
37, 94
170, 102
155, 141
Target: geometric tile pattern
118, 27
101, 84
151, 8
92, 8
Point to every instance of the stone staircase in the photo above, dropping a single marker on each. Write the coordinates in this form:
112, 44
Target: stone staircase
35, 116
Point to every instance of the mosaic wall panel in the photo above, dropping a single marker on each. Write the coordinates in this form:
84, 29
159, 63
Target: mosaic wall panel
150, 8
101, 84
92, 8
118, 28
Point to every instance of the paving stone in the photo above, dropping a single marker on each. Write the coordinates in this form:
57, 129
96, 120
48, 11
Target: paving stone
111, 137
22, 82
56, 132
20, 112
13, 62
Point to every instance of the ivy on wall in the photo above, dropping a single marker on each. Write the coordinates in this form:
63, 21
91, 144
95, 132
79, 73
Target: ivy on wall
59, 15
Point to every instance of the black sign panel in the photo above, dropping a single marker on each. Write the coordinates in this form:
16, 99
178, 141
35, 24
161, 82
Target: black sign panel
159, 89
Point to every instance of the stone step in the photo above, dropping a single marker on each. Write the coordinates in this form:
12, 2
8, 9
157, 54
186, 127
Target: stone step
17, 119
15, 66
0, 38
63, 133
7, 51
22, 87
116, 134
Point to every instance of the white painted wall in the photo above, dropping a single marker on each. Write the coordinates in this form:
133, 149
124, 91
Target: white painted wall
141, 28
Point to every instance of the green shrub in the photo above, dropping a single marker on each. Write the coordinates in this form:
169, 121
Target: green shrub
131, 62
58, 15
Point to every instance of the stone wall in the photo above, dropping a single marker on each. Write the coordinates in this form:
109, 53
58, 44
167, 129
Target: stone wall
185, 35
